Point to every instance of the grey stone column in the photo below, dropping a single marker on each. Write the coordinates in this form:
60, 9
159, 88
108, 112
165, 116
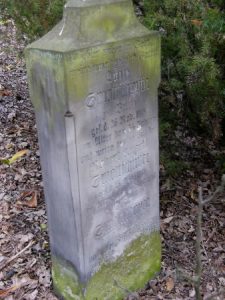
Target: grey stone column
93, 82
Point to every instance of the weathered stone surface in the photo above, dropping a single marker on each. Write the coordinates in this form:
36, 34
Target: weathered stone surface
93, 82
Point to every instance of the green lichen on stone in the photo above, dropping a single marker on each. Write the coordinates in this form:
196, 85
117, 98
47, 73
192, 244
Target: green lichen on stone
108, 20
65, 281
86, 35
79, 64
131, 271
78, 80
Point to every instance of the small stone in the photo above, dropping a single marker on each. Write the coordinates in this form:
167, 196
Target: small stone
192, 293
11, 116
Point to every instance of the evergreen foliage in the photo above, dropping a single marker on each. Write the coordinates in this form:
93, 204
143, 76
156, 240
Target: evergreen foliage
193, 60
34, 18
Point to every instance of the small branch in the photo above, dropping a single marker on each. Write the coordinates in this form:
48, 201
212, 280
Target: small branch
5, 263
198, 268
218, 191
196, 279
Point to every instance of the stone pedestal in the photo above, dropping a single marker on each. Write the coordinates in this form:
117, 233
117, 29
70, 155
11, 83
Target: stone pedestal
93, 82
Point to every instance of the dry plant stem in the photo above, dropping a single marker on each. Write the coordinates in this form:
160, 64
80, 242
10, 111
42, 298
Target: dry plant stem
214, 195
199, 238
198, 269
5, 263
218, 191
196, 279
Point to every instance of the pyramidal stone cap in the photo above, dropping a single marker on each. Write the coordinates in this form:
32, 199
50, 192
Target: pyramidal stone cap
94, 80
88, 23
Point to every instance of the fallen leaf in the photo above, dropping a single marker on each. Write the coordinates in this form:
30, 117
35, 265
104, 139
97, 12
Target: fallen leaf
9, 146
15, 157
5, 93
191, 229
169, 284
196, 22
4, 161
32, 203
18, 155
168, 220
44, 276
43, 226
6, 292
25, 194
23, 239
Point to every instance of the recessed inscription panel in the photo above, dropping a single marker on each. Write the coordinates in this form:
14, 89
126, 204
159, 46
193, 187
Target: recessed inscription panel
116, 134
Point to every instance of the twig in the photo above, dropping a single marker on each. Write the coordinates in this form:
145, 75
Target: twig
198, 269
199, 238
196, 279
218, 191
214, 195
5, 263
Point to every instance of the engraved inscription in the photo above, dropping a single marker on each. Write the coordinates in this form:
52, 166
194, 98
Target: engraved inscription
125, 90
117, 151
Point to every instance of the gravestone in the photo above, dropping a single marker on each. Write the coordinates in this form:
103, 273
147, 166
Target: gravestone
93, 82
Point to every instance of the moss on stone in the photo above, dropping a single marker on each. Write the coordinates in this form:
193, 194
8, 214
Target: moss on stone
131, 271
140, 262
78, 81
65, 281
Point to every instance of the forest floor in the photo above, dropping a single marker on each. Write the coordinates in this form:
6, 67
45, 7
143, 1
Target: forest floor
24, 246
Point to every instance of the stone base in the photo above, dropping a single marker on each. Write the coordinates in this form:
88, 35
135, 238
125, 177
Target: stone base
140, 262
